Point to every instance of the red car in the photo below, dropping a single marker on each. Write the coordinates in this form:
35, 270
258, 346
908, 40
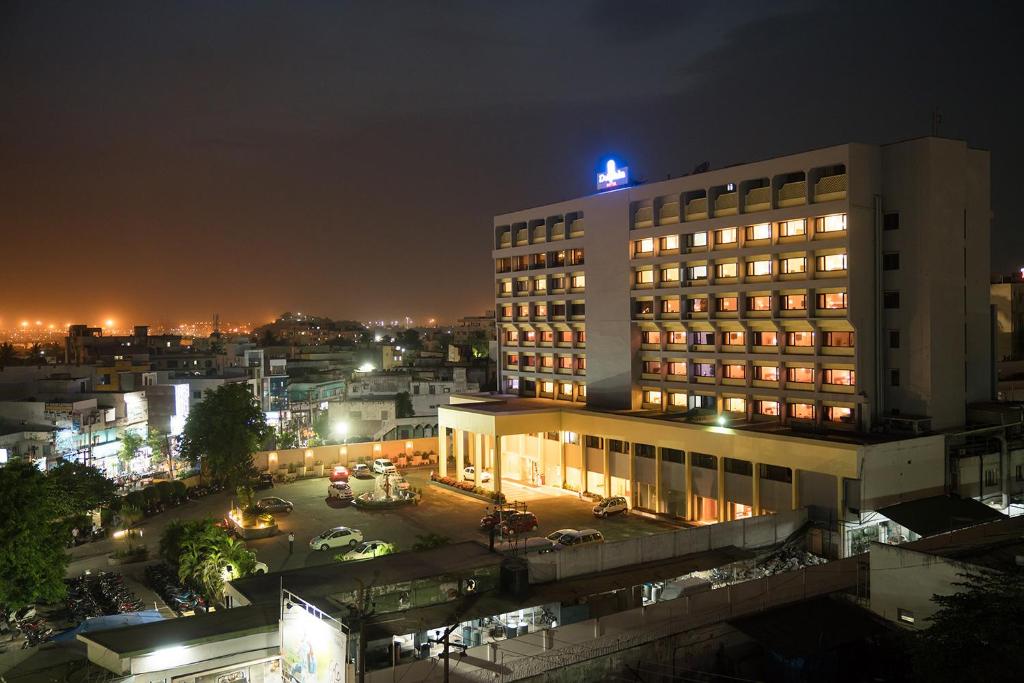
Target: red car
519, 522
339, 473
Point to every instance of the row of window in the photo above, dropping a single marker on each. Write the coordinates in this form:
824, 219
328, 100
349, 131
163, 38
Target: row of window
825, 301
513, 361
795, 410
515, 337
542, 309
740, 338
755, 266
765, 373
550, 259
542, 284
546, 388
553, 228
760, 233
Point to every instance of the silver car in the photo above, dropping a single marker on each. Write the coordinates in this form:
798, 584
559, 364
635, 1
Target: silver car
274, 504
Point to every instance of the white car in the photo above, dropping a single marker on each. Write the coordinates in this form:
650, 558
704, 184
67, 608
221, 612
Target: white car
361, 471
368, 550
470, 474
337, 537
339, 489
610, 506
384, 466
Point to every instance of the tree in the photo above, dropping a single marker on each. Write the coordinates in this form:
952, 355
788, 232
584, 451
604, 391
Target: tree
977, 632
76, 489
410, 339
7, 355
403, 405
130, 516
222, 432
131, 442
157, 442
286, 438
32, 562
207, 556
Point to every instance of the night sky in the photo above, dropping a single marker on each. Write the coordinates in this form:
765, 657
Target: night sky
168, 160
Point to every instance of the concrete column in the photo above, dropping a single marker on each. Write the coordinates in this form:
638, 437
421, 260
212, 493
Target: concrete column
478, 451
607, 470
631, 498
722, 517
688, 476
840, 516
657, 479
795, 489
583, 460
442, 451
459, 437
524, 462
755, 479
496, 475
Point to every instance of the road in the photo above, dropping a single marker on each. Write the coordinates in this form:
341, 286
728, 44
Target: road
440, 511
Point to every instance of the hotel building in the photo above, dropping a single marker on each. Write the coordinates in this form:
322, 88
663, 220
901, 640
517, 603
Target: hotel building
744, 339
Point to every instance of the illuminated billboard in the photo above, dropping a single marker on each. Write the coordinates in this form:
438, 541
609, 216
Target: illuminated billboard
613, 176
313, 645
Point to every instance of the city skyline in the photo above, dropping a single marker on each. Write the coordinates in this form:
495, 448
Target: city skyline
219, 165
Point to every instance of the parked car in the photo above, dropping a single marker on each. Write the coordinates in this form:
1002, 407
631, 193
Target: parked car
469, 474
339, 473
609, 506
519, 522
274, 504
339, 489
368, 550
337, 537
556, 536
575, 539
264, 481
384, 466
361, 471
535, 545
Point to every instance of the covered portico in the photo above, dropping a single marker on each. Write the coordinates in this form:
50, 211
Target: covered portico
504, 440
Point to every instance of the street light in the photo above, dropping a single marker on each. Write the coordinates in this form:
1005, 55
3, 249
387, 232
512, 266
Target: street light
341, 430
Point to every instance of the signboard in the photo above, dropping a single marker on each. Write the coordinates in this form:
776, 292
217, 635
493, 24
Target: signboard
313, 645
613, 176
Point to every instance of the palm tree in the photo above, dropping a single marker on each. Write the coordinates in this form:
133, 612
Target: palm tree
210, 557
130, 515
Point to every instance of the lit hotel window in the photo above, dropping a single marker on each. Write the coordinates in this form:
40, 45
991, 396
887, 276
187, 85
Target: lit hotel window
766, 373
832, 262
697, 272
726, 270
644, 277
799, 339
725, 236
794, 302
727, 303
677, 398
651, 396
677, 369
670, 274
734, 405
840, 377
676, 337
762, 267
565, 389
800, 375
795, 264
734, 338
761, 231
669, 242
832, 301
767, 408
835, 223
645, 246
801, 411
651, 337
792, 228
698, 239
766, 339
734, 371
839, 414
579, 281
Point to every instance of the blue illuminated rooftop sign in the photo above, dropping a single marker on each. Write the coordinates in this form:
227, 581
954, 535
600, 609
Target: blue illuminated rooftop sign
613, 176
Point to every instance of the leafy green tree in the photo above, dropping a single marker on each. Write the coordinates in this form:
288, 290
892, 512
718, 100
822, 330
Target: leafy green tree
976, 635
222, 432
322, 428
157, 442
403, 405
32, 562
286, 438
130, 516
207, 555
131, 442
76, 489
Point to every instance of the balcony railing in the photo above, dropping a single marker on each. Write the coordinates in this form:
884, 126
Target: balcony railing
793, 194
697, 209
758, 199
669, 213
727, 204
830, 188
643, 218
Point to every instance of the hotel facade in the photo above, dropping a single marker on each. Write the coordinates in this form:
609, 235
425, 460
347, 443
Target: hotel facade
743, 340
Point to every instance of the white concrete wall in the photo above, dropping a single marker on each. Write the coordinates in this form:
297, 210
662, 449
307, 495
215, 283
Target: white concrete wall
906, 579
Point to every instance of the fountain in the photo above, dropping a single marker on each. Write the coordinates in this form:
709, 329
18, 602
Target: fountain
385, 495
